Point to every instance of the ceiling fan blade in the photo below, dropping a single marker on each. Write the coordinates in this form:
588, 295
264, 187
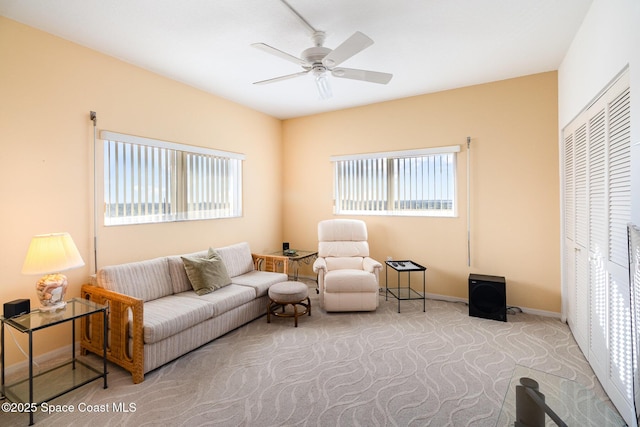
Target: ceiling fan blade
354, 44
277, 79
280, 54
365, 75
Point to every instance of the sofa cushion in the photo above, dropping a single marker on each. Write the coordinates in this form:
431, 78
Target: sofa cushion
147, 280
237, 258
224, 299
350, 281
259, 280
167, 316
206, 274
179, 279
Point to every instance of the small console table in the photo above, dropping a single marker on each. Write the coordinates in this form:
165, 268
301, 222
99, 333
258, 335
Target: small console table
272, 261
405, 293
63, 378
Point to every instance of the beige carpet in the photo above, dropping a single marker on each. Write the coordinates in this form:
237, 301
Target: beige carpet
439, 368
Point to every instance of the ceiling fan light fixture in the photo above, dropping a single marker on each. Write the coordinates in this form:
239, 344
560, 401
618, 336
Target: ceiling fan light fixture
322, 82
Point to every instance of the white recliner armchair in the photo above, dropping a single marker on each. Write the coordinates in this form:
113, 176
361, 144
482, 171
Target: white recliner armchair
347, 277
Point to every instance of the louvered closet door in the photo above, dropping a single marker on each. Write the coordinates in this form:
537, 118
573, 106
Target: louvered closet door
619, 215
568, 204
598, 289
597, 208
576, 231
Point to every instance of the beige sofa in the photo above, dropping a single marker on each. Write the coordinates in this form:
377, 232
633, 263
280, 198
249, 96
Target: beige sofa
155, 316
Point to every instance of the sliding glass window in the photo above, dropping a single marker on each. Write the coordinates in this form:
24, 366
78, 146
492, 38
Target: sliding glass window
410, 183
147, 180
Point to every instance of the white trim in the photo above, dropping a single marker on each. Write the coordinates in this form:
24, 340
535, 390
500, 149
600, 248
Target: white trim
398, 154
139, 140
526, 310
42, 362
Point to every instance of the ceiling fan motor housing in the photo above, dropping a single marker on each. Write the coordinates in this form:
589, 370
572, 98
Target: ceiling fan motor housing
315, 55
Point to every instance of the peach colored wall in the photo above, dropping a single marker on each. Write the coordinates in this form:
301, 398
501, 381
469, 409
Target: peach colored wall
49, 85
514, 183
47, 88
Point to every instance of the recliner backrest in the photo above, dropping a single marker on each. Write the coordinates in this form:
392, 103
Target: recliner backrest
342, 238
344, 263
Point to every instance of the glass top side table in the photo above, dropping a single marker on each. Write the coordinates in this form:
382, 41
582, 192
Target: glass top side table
405, 292
64, 377
273, 260
570, 402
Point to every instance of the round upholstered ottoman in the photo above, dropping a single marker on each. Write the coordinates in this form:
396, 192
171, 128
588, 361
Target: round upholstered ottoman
288, 293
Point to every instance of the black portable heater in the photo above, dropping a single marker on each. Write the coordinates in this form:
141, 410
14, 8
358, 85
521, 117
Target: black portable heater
488, 297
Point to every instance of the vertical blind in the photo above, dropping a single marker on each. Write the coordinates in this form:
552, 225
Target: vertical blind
147, 180
412, 182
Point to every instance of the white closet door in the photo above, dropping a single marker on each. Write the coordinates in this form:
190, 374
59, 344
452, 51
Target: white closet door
569, 229
596, 210
576, 230
619, 215
581, 266
598, 289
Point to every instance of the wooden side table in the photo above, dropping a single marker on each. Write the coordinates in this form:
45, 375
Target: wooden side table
272, 261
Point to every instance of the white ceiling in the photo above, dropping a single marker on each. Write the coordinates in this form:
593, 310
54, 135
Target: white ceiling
428, 45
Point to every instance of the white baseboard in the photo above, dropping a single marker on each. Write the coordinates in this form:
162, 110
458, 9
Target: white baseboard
466, 301
42, 360
527, 310
446, 298
544, 313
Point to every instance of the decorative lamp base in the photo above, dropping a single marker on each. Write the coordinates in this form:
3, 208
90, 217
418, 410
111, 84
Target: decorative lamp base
51, 290
52, 308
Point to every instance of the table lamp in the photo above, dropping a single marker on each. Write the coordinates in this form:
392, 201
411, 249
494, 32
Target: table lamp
49, 254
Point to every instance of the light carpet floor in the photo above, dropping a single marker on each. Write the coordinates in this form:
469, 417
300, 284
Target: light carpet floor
384, 368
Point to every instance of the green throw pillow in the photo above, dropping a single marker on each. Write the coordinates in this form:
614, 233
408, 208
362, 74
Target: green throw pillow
206, 274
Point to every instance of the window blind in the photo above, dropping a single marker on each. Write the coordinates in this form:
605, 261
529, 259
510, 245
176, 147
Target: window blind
148, 180
412, 182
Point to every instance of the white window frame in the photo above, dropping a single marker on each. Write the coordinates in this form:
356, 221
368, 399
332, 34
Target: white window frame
148, 181
397, 183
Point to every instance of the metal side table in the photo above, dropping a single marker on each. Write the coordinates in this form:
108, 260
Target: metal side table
405, 292
62, 378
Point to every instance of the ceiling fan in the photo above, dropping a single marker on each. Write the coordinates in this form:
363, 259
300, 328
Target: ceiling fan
320, 61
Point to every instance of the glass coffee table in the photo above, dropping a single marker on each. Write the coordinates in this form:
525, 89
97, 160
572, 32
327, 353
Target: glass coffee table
535, 398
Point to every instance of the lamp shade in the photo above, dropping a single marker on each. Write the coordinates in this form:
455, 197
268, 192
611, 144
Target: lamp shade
49, 253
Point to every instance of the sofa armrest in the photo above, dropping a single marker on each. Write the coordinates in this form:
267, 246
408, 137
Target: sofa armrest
320, 268
319, 264
370, 265
121, 308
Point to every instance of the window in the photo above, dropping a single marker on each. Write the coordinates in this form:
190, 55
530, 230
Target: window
147, 180
412, 183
